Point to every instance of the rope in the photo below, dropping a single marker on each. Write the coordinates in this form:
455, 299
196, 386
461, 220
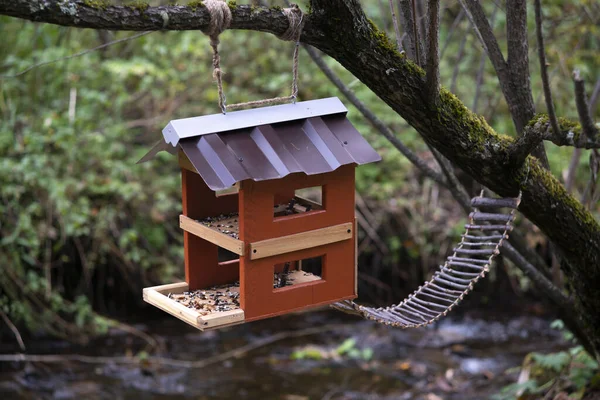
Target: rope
470, 261
220, 19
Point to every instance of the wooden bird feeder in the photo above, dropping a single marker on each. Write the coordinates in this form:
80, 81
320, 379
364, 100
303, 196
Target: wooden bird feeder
255, 244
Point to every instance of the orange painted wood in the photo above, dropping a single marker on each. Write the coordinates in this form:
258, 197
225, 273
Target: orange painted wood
258, 298
201, 257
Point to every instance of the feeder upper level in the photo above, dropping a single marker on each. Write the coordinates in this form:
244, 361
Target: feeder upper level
267, 143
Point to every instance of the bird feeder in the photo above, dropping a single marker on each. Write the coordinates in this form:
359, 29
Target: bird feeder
256, 243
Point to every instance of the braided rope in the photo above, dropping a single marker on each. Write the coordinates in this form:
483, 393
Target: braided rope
470, 262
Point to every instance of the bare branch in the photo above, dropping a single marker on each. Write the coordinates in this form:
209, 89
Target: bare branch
451, 30
544, 67
454, 186
417, 36
373, 119
488, 40
539, 129
14, 330
480, 70
518, 62
459, 55
574, 163
396, 28
514, 74
124, 18
406, 19
433, 60
587, 124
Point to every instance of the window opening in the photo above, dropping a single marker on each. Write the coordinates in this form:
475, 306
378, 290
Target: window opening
305, 200
297, 272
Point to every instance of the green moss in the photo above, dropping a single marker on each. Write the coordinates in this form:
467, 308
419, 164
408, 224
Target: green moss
476, 127
232, 4
195, 4
98, 4
388, 46
539, 117
139, 5
559, 193
276, 8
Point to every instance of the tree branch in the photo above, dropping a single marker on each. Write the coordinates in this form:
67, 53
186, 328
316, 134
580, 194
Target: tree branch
544, 67
374, 120
76, 13
486, 36
540, 129
406, 20
513, 75
433, 59
518, 61
587, 123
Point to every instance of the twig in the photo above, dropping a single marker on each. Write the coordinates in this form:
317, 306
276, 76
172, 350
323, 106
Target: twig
416, 33
373, 119
456, 70
235, 353
587, 124
433, 60
544, 67
14, 330
396, 28
372, 233
451, 31
454, 186
79, 54
574, 163
486, 36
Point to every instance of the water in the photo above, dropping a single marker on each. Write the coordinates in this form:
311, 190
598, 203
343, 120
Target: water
458, 359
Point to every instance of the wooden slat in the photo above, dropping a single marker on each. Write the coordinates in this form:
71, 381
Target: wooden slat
300, 241
157, 296
196, 228
174, 288
157, 299
221, 318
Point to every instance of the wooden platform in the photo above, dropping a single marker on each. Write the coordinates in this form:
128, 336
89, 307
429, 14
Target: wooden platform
203, 318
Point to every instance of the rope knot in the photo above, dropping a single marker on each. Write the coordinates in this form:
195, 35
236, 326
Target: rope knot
296, 23
220, 18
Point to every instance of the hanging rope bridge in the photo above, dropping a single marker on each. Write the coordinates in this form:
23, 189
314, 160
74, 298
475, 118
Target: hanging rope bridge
469, 262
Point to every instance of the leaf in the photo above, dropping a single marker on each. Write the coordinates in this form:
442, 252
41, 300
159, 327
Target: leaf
346, 346
553, 361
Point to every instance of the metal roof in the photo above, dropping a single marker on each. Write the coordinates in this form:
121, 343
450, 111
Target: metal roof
190, 127
313, 138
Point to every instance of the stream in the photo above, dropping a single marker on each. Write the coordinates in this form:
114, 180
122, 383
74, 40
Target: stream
462, 358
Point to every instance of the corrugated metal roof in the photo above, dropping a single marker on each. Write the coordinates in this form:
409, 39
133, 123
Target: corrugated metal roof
312, 144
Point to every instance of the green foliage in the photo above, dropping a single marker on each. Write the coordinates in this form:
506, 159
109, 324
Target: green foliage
347, 349
564, 371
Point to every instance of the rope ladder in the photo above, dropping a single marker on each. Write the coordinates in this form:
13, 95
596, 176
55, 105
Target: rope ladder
469, 262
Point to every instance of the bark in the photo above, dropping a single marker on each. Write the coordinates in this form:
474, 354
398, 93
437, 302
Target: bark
446, 124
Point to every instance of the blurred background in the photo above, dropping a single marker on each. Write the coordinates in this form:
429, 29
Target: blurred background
83, 228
